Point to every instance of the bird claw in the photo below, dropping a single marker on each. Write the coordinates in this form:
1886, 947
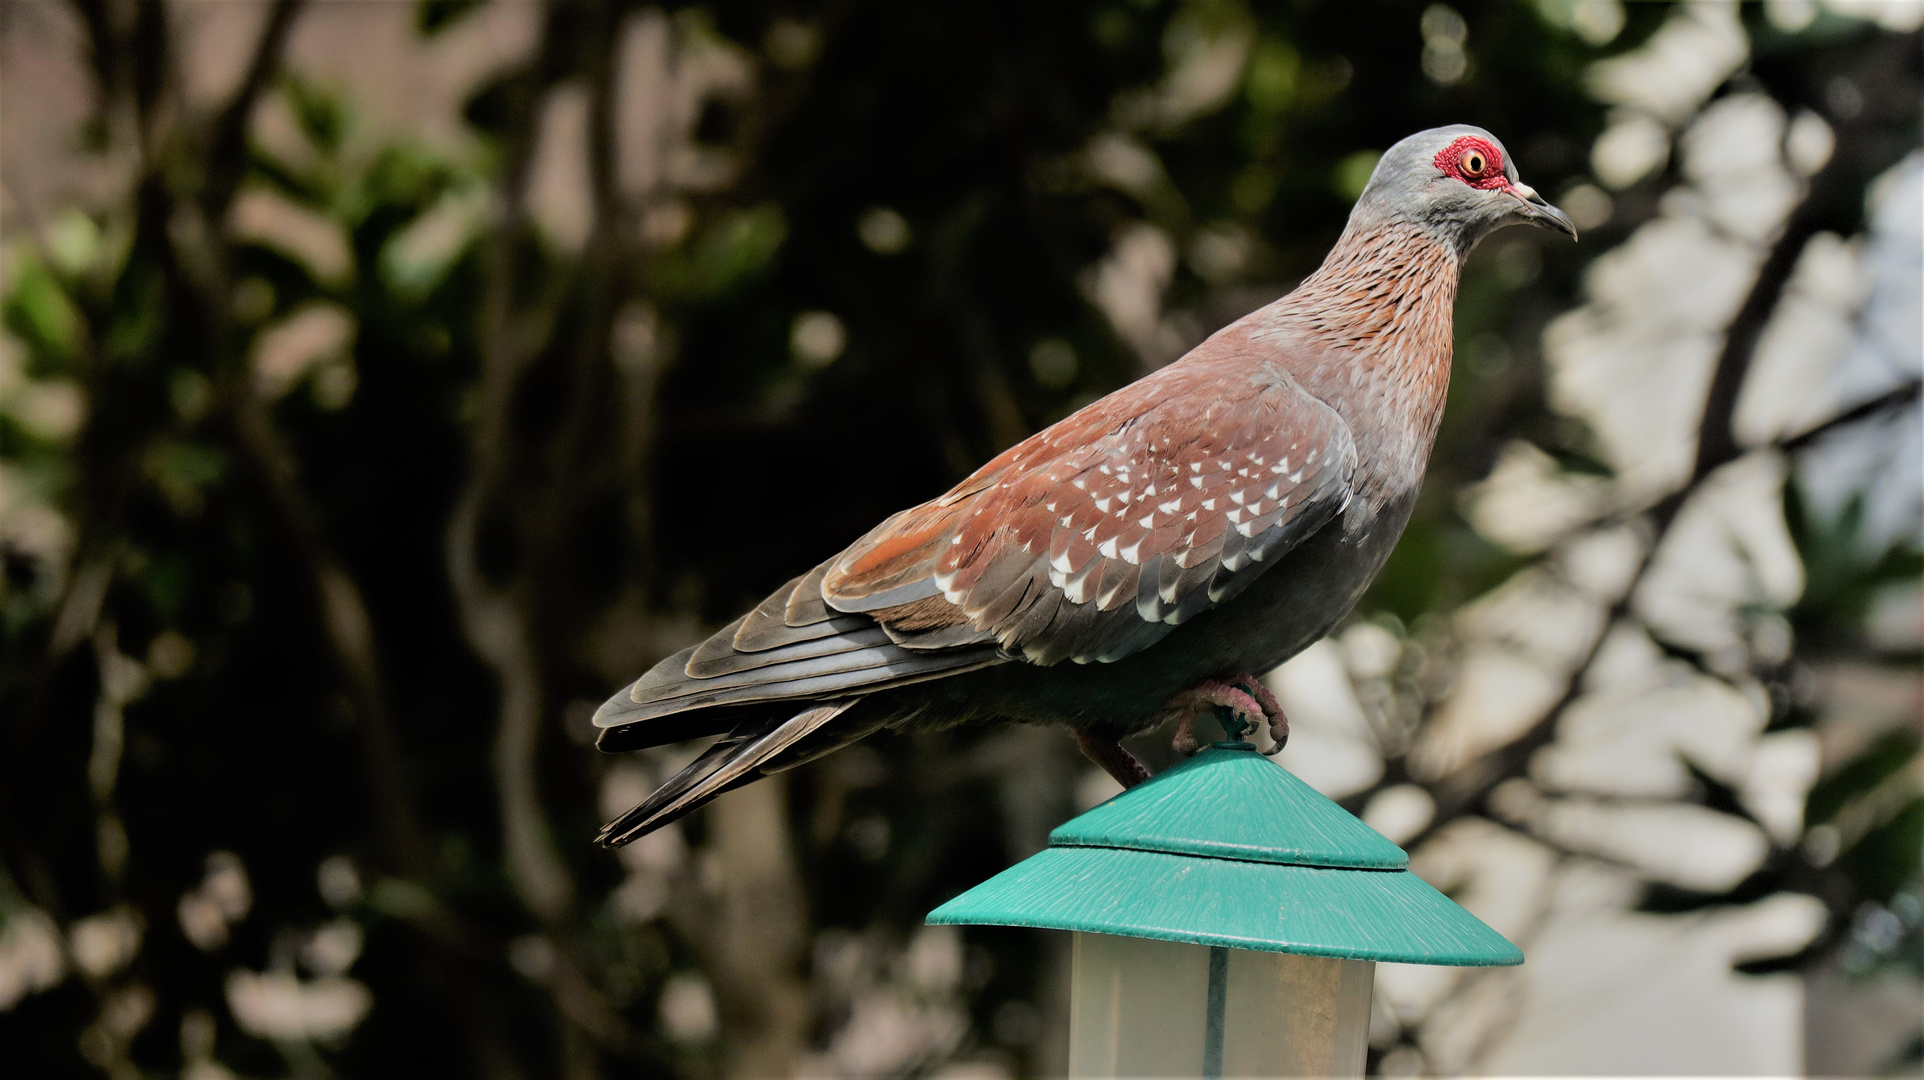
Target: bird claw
1249, 701
1278, 734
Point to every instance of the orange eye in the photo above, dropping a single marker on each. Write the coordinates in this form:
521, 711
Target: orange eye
1473, 163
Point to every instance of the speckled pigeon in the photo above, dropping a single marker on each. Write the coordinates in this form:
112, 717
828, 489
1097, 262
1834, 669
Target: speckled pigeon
1139, 560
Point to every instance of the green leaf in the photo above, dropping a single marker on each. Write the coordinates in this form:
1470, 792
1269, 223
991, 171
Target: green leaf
729, 252
1352, 174
433, 16
40, 314
1270, 80
1858, 776
1888, 855
322, 116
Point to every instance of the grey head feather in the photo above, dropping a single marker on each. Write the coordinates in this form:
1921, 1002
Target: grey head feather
1407, 186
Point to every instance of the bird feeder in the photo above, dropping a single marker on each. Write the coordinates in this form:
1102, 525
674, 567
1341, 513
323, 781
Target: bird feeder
1228, 919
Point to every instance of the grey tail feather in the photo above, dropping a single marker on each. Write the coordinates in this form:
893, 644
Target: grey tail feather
726, 765
662, 730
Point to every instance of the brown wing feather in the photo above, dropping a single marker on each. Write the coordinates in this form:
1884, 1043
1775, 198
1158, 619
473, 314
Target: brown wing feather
1090, 540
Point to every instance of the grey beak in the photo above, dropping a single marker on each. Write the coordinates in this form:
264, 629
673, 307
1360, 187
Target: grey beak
1537, 211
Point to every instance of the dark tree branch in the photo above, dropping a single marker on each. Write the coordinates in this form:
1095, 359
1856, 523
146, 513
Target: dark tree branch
508, 624
1888, 402
346, 627
1717, 438
493, 628
226, 154
103, 52
146, 54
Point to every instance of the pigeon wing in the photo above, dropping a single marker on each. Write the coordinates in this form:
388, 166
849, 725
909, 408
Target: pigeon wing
1095, 538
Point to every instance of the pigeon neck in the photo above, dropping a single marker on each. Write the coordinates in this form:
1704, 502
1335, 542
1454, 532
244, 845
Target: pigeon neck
1384, 280
1378, 317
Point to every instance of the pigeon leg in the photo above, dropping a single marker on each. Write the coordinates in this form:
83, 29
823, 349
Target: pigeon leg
1107, 751
1247, 699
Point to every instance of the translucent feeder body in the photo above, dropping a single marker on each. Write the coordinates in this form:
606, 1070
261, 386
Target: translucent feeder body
1141, 1007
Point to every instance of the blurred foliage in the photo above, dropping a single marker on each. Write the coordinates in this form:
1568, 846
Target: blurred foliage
643, 446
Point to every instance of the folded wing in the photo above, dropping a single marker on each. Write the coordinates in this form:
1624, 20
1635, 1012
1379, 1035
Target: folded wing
1097, 537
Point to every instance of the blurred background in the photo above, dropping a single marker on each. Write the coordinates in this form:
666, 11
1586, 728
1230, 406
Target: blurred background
383, 384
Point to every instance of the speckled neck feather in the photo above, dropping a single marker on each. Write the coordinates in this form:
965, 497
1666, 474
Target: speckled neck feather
1377, 320
1385, 284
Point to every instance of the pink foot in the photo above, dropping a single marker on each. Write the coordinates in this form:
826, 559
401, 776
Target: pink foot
1250, 701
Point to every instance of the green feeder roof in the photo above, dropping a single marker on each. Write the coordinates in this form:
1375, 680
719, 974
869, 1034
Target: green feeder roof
1230, 849
1230, 804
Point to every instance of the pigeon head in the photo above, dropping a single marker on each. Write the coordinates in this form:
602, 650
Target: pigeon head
1459, 183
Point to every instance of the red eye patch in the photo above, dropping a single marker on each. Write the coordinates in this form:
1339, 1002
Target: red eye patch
1475, 162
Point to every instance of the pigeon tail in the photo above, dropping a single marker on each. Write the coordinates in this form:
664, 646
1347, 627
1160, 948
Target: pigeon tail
722, 767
